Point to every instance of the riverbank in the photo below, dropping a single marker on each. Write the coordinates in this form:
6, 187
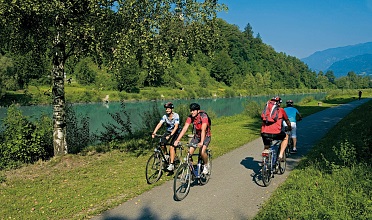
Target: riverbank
42, 95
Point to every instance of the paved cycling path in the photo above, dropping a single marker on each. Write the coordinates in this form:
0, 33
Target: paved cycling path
233, 191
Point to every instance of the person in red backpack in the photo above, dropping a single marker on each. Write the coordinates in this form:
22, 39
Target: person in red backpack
202, 132
274, 130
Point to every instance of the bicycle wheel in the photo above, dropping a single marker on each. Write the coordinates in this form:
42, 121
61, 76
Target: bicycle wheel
282, 164
265, 171
154, 168
182, 181
290, 146
204, 178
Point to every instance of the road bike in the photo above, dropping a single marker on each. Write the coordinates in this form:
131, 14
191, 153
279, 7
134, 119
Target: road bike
158, 162
271, 163
188, 172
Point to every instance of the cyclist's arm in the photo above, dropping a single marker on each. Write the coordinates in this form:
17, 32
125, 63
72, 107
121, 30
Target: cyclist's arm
299, 115
174, 129
184, 129
203, 132
285, 118
157, 128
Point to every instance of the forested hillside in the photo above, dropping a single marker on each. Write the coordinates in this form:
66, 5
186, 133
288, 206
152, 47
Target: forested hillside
182, 56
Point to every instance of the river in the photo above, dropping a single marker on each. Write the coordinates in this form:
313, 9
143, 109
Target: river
99, 112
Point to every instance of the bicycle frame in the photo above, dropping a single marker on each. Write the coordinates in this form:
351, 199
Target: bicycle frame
187, 173
158, 162
270, 163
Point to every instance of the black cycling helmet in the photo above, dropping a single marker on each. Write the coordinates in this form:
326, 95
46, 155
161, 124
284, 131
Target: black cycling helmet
194, 106
277, 99
168, 105
289, 102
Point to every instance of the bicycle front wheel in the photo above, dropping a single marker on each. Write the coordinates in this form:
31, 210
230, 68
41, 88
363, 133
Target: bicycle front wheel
154, 168
182, 181
204, 178
266, 172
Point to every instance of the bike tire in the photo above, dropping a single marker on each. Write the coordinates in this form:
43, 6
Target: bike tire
204, 178
266, 172
288, 148
282, 164
182, 181
154, 168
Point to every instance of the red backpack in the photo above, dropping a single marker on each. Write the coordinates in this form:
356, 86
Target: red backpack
270, 113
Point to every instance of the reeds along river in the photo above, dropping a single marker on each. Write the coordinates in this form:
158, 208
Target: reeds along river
99, 112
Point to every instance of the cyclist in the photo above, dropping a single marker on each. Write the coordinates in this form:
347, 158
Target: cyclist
172, 121
275, 130
293, 113
202, 132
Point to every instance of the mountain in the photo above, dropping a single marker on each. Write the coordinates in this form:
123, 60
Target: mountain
361, 64
322, 60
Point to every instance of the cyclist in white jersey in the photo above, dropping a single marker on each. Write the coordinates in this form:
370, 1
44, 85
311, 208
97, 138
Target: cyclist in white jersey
293, 114
172, 121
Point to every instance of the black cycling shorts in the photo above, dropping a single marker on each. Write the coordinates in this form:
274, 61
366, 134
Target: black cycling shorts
266, 138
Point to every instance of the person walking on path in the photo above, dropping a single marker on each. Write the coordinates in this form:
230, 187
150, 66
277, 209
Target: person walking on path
360, 94
293, 114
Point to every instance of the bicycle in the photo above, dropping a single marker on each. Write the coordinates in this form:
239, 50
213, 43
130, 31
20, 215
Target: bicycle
187, 172
158, 162
289, 147
271, 163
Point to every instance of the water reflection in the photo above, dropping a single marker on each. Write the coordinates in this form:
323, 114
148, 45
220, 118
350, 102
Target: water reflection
99, 112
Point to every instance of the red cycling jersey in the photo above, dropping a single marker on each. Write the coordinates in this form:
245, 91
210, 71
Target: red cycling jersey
198, 121
276, 127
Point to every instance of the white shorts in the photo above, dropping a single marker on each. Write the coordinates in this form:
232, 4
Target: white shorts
294, 128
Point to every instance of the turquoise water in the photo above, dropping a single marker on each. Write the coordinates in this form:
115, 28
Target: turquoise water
99, 112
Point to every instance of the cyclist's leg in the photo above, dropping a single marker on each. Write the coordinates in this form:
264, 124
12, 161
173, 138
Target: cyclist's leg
284, 137
294, 134
163, 143
203, 150
266, 140
172, 148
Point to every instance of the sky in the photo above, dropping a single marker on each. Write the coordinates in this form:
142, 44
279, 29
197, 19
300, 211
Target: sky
302, 27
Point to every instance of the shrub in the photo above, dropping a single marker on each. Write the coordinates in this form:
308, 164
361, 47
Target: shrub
253, 109
77, 132
25, 141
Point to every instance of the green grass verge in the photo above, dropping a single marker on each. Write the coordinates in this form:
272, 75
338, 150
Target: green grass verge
79, 187
334, 181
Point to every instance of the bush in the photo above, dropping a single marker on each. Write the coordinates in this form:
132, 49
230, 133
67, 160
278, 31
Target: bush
25, 141
77, 133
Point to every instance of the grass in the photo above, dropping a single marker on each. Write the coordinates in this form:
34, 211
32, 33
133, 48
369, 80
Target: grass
79, 187
334, 181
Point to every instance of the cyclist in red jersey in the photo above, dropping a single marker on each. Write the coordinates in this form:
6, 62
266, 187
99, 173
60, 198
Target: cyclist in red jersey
275, 130
202, 132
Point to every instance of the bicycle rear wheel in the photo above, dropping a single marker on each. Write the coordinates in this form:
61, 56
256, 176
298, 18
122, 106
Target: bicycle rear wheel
266, 172
282, 164
289, 147
182, 181
154, 168
204, 178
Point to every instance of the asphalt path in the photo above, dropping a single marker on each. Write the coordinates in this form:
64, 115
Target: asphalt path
235, 190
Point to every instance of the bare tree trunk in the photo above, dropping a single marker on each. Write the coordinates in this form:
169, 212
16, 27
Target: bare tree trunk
58, 90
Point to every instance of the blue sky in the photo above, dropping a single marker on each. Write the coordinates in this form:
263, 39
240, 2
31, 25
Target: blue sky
301, 27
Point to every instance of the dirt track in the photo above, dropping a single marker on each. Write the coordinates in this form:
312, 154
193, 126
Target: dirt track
233, 192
